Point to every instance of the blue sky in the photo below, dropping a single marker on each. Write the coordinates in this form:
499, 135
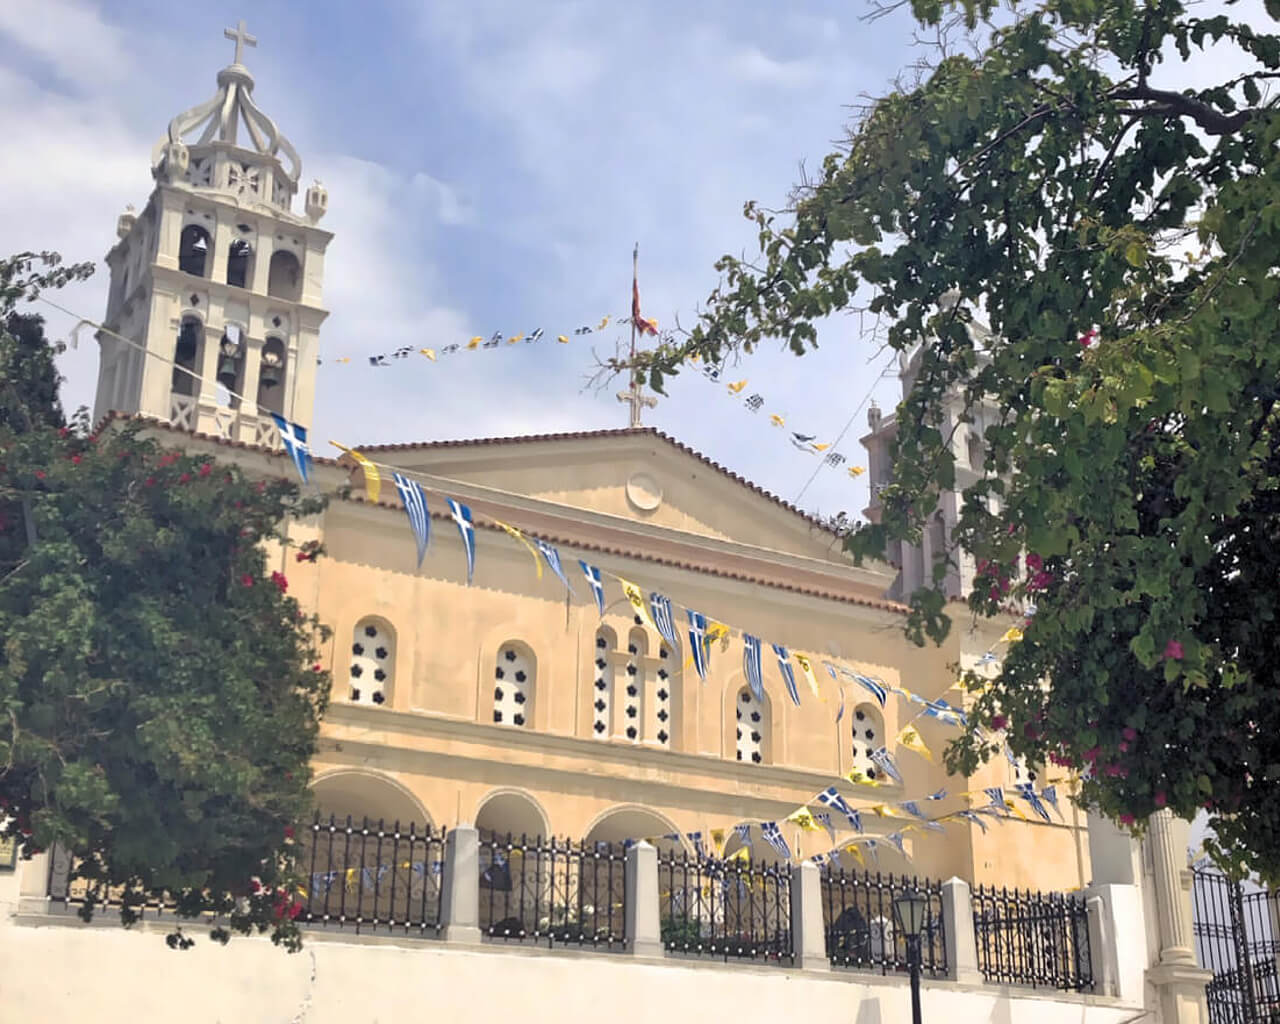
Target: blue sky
490, 165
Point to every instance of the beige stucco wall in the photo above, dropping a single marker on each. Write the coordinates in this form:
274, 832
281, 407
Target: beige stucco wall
103, 974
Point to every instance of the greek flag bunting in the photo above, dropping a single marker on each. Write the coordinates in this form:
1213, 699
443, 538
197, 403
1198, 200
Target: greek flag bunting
974, 817
751, 665
462, 516
996, 795
884, 761
1027, 791
663, 618
773, 836
294, 438
788, 673
939, 795
698, 641
696, 839
1050, 794
743, 832
597, 584
912, 808
415, 506
896, 839
806, 670
877, 689
552, 557
830, 797
823, 818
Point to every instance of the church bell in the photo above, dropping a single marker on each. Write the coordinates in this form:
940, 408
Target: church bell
269, 376
227, 372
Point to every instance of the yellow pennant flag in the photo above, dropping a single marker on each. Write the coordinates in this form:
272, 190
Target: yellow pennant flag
777, 420
515, 534
563, 339
884, 811
859, 778
475, 342
603, 324
801, 817
737, 386
717, 841
514, 338
854, 851
717, 631
1012, 635
743, 854
820, 447
636, 596
856, 471
911, 739
806, 667
344, 359
372, 478
430, 353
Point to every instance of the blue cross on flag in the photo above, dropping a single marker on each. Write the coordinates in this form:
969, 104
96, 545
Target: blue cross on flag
788, 672
552, 557
773, 836
751, 665
462, 516
597, 584
415, 505
698, 641
660, 607
294, 438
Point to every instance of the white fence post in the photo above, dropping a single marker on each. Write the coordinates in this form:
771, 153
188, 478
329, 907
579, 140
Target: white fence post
957, 927
643, 928
460, 905
808, 934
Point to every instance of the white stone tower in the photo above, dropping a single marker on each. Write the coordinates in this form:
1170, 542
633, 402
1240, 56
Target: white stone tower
217, 282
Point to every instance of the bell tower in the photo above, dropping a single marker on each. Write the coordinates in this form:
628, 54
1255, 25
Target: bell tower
217, 283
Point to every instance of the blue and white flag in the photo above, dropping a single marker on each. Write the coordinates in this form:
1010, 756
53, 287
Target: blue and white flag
932, 826
462, 516
660, 608
1027, 791
743, 832
294, 438
912, 808
988, 658
698, 848
698, 641
877, 689
896, 839
830, 797
597, 584
939, 795
883, 760
751, 665
788, 672
1050, 794
415, 505
996, 795
823, 818
773, 836
552, 557
974, 817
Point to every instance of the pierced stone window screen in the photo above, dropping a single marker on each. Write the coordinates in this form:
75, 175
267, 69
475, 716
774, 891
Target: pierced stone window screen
661, 727
194, 248
604, 672
752, 724
513, 681
631, 723
867, 735
373, 663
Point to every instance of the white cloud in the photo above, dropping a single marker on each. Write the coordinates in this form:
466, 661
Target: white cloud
754, 66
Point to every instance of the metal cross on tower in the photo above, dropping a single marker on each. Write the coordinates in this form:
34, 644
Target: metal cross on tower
240, 36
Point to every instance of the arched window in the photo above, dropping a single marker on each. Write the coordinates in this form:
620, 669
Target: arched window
193, 250
602, 689
239, 263
632, 702
373, 662
868, 737
230, 363
752, 725
186, 355
284, 276
513, 681
271, 375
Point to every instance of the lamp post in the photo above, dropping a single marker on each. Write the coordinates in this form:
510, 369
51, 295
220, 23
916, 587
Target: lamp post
912, 908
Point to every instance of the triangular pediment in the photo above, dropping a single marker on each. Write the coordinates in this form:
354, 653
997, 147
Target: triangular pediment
642, 476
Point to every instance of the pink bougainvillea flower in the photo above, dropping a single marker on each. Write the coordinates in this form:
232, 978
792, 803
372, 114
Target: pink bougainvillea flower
206, 469
1173, 649
280, 580
1160, 798
246, 580
1089, 337
185, 478
1034, 562
288, 831
1124, 747
1126, 819
39, 474
75, 460
1092, 753
1130, 733
998, 722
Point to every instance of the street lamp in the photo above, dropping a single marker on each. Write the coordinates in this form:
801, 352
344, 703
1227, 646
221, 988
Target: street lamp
912, 909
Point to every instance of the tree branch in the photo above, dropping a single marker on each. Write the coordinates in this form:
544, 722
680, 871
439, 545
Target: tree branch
1165, 103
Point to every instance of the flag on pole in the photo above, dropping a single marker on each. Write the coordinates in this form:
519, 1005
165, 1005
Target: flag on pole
751, 665
552, 557
788, 673
415, 506
663, 618
806, 669
372, 478
641, 324
462, 516
698, 641
597, 584
773, 836
294, 438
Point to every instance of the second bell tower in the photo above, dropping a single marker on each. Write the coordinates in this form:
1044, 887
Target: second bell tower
217, 283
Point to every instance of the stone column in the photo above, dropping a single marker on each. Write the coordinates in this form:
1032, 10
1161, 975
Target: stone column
1179, 983
808, 934
957, 927
460, 912
643, 928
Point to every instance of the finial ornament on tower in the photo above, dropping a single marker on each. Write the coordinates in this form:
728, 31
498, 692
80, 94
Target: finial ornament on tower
240, 36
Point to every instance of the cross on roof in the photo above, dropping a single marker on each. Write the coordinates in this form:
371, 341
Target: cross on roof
240, 37
633, 397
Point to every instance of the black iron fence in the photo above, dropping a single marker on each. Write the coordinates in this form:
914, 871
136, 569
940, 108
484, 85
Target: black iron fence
74, 892
372, 875
1234, 925
728, 909
1031, 938
862, 929
552, 890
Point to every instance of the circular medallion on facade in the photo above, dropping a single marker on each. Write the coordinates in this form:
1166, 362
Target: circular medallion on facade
643, 492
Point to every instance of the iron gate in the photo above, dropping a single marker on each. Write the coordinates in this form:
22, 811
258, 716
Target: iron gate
1235, 928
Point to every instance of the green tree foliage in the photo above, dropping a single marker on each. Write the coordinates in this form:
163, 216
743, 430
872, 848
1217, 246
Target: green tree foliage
1117, 225
159, 689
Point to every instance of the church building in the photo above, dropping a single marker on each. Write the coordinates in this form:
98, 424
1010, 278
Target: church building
505, 684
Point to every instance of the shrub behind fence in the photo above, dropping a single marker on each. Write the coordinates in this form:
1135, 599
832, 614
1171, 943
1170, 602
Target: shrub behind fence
1033, 938
862, 929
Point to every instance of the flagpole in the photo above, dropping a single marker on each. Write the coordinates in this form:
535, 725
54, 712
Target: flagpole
635, 374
